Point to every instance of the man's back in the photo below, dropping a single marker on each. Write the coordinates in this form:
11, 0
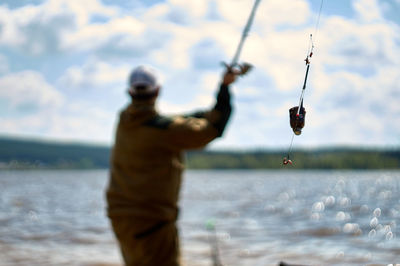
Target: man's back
146, 169
145, 174
147, 161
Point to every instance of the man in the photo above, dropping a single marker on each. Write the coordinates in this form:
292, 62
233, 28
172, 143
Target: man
146, 168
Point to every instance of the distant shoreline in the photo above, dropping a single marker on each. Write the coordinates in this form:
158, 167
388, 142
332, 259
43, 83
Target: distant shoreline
34, 154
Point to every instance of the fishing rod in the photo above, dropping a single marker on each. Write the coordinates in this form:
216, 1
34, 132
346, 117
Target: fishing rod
239, 69
245, 67
297, 113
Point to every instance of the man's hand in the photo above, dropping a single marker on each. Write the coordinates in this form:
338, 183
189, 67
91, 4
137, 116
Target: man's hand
229, 77
232, 72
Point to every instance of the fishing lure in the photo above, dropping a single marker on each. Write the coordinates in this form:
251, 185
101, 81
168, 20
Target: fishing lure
297, 114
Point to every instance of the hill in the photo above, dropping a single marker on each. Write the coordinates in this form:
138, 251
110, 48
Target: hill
31, 154
18, 153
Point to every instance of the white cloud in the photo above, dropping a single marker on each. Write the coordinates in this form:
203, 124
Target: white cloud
40, 29
94, 74
82, 121
75, 122
204, 98
9, 33
82, 10
368, 10
187, 11
352, 94
94, 36
32, 29
275, 12
28, 90
349, 98
33, 107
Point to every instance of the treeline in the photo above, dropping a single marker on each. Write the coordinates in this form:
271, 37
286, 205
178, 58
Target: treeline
23, 154
332, 158
16, 153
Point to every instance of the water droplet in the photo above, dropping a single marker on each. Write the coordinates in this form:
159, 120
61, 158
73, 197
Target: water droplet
352, 228
284, 196
374, 222
368, 256
377, 212
288, 211
341, 183
348, 228
318, 206
315, 216
389, 236
342, 216
330, 201
340, 255
372, 233
387, 228
33, 216
344, 202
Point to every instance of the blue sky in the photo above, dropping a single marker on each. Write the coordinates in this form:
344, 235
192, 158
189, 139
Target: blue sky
64, 66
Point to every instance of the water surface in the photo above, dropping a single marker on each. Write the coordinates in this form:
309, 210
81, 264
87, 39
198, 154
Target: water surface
261, 218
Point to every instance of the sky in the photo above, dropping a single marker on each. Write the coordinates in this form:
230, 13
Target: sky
64, 66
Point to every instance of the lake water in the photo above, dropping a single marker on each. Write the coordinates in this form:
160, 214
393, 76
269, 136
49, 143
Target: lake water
261, 218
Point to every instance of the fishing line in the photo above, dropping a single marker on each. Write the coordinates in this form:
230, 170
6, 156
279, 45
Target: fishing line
300, 113
290, 149
318, 19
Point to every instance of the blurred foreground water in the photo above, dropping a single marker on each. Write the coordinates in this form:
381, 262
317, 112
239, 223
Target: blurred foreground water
261, 218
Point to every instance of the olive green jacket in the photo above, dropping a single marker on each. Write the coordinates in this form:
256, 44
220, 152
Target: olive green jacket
147, 159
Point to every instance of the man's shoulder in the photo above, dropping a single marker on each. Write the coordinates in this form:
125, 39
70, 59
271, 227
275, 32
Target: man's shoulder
177, 121
159, 121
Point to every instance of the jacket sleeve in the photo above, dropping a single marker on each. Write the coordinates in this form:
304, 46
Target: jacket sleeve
197, 130
186, 133
224, 107
219, 115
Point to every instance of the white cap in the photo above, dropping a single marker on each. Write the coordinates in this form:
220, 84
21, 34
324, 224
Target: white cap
145, 78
